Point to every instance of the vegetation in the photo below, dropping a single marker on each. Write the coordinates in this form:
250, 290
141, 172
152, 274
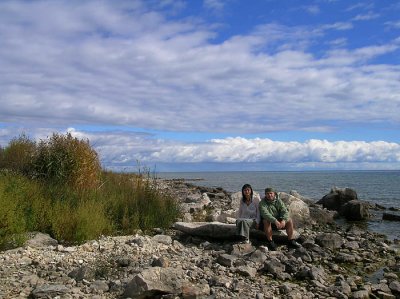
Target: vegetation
57, 186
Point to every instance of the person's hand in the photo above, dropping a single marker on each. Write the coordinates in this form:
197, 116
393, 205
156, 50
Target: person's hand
283, 224
280, 224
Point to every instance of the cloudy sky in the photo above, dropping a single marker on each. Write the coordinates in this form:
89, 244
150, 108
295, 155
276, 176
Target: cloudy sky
207, 85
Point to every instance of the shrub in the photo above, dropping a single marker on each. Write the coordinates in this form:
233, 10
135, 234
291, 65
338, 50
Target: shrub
12, 220
135, 202
69, 161
19, 155
58, 187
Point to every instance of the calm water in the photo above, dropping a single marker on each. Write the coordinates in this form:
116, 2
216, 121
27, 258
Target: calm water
382, 187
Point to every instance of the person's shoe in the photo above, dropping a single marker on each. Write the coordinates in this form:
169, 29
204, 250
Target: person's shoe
263, 249
271, 245
293, 244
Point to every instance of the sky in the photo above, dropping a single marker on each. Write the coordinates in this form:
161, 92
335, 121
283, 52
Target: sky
207, 85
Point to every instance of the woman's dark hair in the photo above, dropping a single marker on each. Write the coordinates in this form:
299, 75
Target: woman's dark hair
244, 187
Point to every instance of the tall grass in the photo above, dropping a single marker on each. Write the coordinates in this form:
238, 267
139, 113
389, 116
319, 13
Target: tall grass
61, 190
136, 202
66, 160
18, 155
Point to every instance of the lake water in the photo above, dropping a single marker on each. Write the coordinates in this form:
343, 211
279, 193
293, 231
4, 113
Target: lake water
381, 187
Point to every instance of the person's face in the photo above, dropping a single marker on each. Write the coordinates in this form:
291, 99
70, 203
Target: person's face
270, 195
247, 192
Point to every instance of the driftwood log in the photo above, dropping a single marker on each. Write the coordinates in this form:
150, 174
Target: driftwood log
224, 231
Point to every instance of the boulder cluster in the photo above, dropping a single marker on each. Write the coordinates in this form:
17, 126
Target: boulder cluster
334, 261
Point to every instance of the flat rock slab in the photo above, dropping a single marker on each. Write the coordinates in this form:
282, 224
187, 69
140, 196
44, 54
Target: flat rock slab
219, 230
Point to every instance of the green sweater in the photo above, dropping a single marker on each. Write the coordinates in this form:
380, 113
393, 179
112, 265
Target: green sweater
273, 210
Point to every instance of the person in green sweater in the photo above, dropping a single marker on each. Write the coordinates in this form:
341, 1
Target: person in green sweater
275, 215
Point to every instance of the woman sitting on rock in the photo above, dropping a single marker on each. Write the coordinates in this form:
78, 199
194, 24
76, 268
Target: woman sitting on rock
248, 215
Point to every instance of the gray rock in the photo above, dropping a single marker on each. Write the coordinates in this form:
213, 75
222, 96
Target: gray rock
355, 210
198, 290
246, 271
242, 249
160, 262
164, 239
380, 287
361, 294
81, 273
299, 211
49, 291
394, 286
342, 257
226, 260
153, 281
41, 240
99, 286
329, 240
353, 245
384, 295
274, 266
337, 198
318, 274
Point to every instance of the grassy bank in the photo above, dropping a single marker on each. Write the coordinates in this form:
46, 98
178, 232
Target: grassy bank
57, 187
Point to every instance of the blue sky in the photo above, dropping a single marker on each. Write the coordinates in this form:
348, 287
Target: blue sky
207, 85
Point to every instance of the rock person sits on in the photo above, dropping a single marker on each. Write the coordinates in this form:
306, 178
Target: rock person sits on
275, 216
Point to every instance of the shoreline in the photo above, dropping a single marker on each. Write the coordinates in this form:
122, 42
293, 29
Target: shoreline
333, 262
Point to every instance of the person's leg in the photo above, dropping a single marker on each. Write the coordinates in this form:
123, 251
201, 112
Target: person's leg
268, 232
289, 229
267, 229
243, 228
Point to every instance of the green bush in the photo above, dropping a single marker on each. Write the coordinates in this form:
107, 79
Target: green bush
12, 218
76, 215
136, 203
19, 155
58, 187
66, 160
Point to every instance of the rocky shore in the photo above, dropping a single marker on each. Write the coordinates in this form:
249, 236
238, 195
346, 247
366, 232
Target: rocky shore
333, 262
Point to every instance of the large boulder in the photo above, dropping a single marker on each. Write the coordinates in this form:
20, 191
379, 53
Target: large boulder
345, 202
299, 211
195, 202
337, 197
355, 210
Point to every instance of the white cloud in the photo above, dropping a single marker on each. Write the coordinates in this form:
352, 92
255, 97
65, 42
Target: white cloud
215, 5
312, 9
99, 64
127, 63
128, 148
366, 17
395, 25
120, 149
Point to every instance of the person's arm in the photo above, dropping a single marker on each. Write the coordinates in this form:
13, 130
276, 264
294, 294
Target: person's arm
257, 204
240, 211
265, 213
284, 212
